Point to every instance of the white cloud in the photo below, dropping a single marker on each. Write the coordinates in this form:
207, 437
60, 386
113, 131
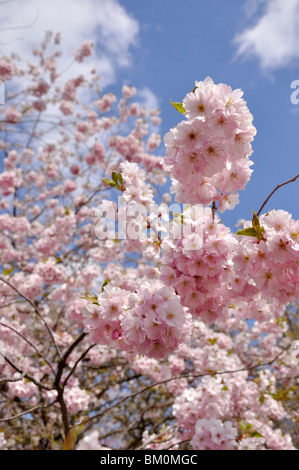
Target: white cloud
148, 99
113, 30
273, 39
251, 7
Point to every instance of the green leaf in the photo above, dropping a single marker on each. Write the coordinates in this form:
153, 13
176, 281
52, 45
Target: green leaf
90, 298
114, 177
110, 183
248, 232
105, 283
178, 106
213, 341
256, 434
248, 427
242, 426
257, 227
106, 181
255, 222
120, 178
71, 438
6, 272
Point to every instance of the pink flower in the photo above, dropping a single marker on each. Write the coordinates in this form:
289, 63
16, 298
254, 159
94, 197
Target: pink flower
85, 50
128, 91
70, 186
13, 116
207, 155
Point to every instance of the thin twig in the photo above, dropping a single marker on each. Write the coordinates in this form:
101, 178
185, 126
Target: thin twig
62, 362
76, 363
274, 191
36, 310
25, 375
59, 387
214, 208
133, 395
31, 410
178, 443
29, 342
4, 381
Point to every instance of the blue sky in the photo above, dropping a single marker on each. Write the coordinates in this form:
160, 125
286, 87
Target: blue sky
181, 42
163, 46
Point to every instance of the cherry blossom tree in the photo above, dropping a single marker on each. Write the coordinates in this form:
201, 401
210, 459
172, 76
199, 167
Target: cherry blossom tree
125, 322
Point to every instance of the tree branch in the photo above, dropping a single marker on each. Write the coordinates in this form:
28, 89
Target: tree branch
36, 310
31, 344
274, 191
25, 375
133, 395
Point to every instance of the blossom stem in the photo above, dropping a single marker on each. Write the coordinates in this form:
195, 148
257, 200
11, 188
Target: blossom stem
274, 191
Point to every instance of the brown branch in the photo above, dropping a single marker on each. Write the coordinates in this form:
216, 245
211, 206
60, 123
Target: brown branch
163, 382
76, 363
178, 443
59, 387
31, 410
214, 208
64, 412
14, 28
62, 362
156, 439
4, 381
274, 191
25, 375
29, 342
36, 310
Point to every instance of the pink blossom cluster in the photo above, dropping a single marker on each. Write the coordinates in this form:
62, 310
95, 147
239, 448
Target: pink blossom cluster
136, 190
156, 323
13, 115
271, 265
91, 442
76, 399
208, 154
31, 286
217, 369
12, 160
213, 434
9, 181
236, 267
74, 311
104, 104
50, 271
21, 389
96, 155
13, 224
71, 88
221, 398
163, 441
128, 91
2, 441
7, 68
151, 321
85, 50
132, 149
199, 264
66, 107
40, 88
